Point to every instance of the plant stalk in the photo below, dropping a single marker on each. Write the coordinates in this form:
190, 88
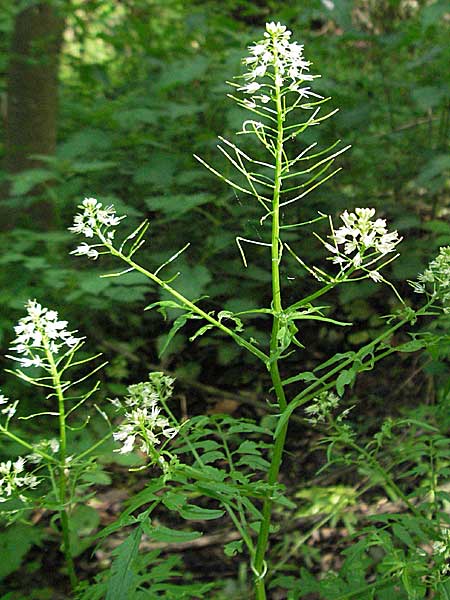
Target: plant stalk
259, 564
63, 513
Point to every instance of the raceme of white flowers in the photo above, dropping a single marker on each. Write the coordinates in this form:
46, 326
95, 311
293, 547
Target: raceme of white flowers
361, 238
14, 480
143, 425
436, 278
275, 59
39, 332
94, 220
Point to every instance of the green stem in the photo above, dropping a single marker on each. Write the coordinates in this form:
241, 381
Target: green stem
63, 512
188, 304
26, 445
259, 565
97, 444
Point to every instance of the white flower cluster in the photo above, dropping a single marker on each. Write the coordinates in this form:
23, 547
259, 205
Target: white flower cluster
437, 278
10, 409
142, 422
442, 548
48, 446
41, 331
362, 239
94, 220
14, 480
321, 407
279, 60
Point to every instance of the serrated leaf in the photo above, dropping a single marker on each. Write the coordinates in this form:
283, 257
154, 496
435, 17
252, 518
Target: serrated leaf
255, 462
248, 447
123, 577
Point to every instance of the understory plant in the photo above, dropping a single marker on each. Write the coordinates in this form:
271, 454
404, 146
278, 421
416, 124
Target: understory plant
214, 466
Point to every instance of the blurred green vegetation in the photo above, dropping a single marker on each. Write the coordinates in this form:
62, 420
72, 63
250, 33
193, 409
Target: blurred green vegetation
141, 88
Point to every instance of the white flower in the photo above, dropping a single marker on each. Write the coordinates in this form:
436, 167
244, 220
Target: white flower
250, 88
436, 278
43, 446
38, 332
3, 399
375, 276
95, 219
321, 407
142, 421
10, 410
13, 482
85, 250
276, 58
361, 237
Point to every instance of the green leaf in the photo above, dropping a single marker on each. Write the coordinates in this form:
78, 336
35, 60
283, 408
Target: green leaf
27, 180
411, 346
345, 378
201, 331
233, 548
83, 521
306, 376
123, 576
248, 447
255, 462
177, 325
191, 512
403, 535
171, 536
176, 205
127, 119
15, 541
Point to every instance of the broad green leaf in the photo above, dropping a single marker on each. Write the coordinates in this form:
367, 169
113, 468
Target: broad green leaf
15, 542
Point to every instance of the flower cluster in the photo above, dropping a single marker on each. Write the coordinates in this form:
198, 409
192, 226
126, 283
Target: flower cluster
10, 409
437, 278
38, 333
142, 422
362, 239
281, 61
48, 446
14, 479
441, 549
94, 220
321, 407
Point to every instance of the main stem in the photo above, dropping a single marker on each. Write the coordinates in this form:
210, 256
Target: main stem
259, 564
63, 513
